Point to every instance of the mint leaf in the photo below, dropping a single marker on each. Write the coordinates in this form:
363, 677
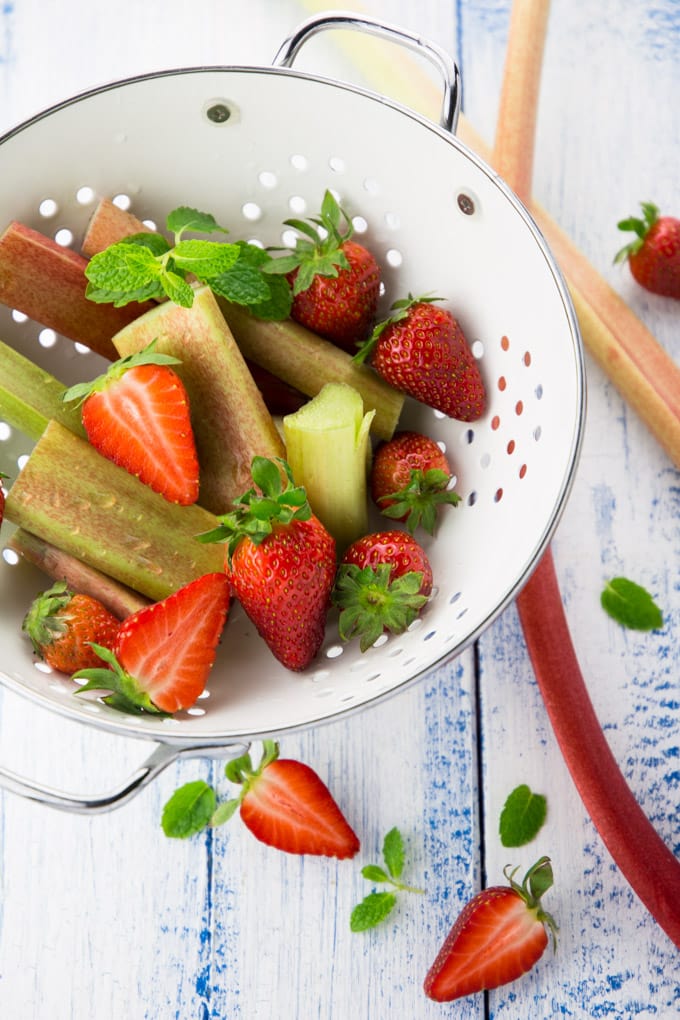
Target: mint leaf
156, 243
205, 259
374, 873
122, 269
393, 852
177, 288
244, 285
631, 605
372, 910
225, 810
189, 810
522, 816
277, 307
185, 218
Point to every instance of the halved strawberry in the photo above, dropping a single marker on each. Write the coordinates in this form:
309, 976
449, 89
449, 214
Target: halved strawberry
382, 582
137, 415
335, 280
422, 350
286, 805
499, 935
164, 652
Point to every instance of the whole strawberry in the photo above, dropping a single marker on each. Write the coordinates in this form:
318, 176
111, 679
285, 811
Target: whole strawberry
383, 581
409, 480
137, 415
422, 350
280, 561
499, 935
336, 281
286, 805
654, 255
62, 626
163, 653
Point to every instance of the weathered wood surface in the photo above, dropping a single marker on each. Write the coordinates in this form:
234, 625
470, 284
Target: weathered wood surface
104, 917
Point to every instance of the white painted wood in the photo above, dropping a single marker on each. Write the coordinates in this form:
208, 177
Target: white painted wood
104, 917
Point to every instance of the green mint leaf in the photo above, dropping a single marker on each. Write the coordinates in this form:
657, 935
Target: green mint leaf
177, 288
393, 852
280, 301
189, 810
185, 218
123, 269
631, 605
205, 259
522, 817
152, 290
225, 810
374, 873
243, 285
372, 910
156, 243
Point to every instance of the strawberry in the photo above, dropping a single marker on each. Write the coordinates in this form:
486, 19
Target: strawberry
335, 281
654, 255
164, 652
410, 477
383, 581
63, 624
280, 561
422, 350
137, 415
499, 935
286, 805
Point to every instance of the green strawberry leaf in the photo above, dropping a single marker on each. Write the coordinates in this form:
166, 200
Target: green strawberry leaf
189, 810
393, 852
631, 605
372, 910
522, 817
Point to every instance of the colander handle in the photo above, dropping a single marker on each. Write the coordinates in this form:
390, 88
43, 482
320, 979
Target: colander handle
162, 756
289, 50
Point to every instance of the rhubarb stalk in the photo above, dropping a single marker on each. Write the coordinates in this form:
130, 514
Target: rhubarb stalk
70, 496
641, 855
30, 397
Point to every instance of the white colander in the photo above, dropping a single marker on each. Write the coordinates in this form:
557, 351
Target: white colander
255, 146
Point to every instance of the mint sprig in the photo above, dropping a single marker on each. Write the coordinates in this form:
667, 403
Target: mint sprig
631, 605
146, 266
377, 906
522, 817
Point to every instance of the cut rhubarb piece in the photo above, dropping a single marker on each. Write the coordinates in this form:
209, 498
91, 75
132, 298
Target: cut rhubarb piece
230, 420
30, 397
109, 224
328, 451
47, 282
70, 496
307, 362
61, 566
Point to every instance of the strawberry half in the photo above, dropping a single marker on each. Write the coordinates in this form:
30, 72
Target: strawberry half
336, 281
654, 255
499, 935
137, 415
382, 583
63, 625
422, 350
286, 805
280, 561
409, 480
164, 652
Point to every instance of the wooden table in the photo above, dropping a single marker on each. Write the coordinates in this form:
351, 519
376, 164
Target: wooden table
105, 917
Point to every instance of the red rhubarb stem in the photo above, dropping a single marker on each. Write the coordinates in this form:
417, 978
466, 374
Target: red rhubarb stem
637, 849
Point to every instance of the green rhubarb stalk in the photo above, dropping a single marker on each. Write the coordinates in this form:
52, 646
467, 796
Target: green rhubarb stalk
70, 496
307, 362
62, 566
230, 420
29, 396
328, 451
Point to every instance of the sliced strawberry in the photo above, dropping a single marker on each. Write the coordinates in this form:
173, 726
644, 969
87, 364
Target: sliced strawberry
499, 935
335, 280
383, 581
137, 415
286, 805
164, 652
